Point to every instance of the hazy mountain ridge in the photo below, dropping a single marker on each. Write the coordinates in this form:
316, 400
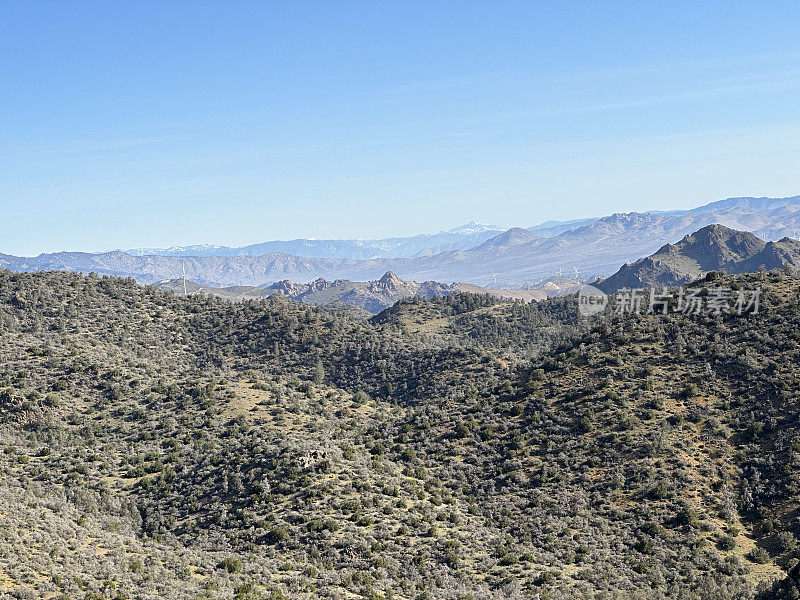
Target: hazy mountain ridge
459, 238
593, 248
463, 237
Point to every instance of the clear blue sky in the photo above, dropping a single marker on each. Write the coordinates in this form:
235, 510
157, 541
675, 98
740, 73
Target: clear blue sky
126, 124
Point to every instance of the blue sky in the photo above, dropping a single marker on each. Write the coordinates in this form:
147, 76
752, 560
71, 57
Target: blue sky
127, 124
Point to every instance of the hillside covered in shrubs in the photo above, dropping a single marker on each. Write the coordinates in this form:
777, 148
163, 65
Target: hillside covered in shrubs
464, 448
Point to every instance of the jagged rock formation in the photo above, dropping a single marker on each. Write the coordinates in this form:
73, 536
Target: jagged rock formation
369, 296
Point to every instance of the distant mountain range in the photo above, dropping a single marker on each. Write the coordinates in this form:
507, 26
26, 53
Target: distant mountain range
476, 254
467, 236
460, 238
712, 248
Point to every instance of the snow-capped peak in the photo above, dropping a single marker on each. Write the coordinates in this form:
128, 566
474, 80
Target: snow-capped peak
476, 227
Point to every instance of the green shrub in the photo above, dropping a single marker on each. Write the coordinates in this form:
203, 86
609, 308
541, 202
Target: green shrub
231, 564
758, 555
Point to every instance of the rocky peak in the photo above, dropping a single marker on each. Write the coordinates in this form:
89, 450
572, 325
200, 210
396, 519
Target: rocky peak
319, 284
390, 279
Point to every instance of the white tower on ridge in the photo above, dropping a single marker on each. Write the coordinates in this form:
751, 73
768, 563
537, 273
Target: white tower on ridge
183, 266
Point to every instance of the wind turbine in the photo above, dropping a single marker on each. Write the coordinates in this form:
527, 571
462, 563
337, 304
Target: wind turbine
495, 277
183, 266
576, 271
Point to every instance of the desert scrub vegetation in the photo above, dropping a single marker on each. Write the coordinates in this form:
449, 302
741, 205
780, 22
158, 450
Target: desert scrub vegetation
155, 446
